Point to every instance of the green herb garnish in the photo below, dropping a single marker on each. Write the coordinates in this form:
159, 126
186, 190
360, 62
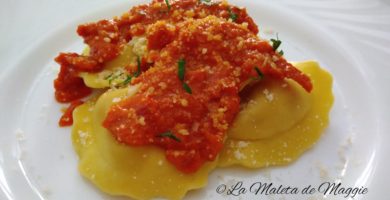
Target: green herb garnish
276, 44
232, 15
259, 73
168, 5
170, 135
112, 77
187, 88
181, 70
208, 2
109, 76
127, 80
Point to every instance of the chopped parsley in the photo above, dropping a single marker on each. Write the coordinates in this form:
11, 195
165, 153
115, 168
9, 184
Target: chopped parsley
170, 135
232, 15
187, 88
205, 1
127, 80
108, 77
259, 73
259, 76
136, 74
208, 2
112, 77
181, 70
168, 5
276, 44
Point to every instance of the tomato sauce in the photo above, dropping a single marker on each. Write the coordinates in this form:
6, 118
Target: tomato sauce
67, 118
220, 52
107, 37
220, 56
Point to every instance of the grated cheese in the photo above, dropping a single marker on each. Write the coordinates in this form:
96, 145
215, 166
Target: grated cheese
268, 95
238, 155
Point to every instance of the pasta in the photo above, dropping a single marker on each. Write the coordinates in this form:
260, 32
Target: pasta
275, 146
115, 72
138, 172
175, 89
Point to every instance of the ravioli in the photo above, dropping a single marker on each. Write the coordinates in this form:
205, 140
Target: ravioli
174, 85
269, 107
137, 172
272, 131
278, 122
114, 72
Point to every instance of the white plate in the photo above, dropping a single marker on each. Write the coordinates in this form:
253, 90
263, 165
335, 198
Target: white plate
36, 156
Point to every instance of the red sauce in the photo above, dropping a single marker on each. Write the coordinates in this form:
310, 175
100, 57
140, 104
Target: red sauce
67, 118
106, 38
220, 57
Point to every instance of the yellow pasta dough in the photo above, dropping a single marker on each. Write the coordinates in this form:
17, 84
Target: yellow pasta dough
279, 147
138, 172
277, 123
268, 108
114, 72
